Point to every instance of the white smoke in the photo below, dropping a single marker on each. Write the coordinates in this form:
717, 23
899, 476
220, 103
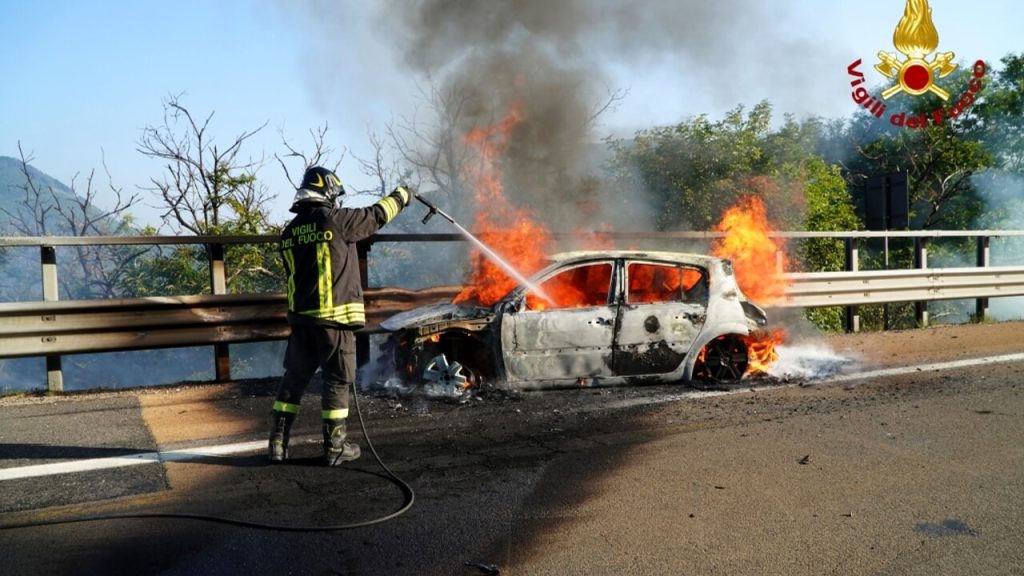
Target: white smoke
809, 361
1003, 195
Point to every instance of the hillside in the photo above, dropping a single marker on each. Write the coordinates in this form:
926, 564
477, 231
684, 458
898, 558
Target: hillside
12, 195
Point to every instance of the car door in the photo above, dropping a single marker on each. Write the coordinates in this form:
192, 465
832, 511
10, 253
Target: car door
664, 307
568, 336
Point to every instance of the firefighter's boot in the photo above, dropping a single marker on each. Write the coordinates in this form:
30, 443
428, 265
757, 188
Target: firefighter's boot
336, 449
279, 435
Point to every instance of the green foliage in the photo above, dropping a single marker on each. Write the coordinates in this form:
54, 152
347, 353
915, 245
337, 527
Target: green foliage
997, 122
939, 163
168, 271
829, 207
689, 170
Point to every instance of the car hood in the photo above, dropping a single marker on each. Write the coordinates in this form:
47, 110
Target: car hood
431, 313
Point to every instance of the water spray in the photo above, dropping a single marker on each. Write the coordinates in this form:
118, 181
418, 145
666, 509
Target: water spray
494, 256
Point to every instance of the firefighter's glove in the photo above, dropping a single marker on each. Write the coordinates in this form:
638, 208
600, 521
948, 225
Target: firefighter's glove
404, 194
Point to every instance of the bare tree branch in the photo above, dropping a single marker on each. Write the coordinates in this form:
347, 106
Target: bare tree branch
615, 97
202, 183
321, 152
98, 269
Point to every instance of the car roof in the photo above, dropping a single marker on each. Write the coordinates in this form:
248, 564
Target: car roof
677, 257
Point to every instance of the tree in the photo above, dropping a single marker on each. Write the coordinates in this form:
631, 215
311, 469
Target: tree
829, 207
207, 190
999, 127
688, 170
204, 187
95, 271
997, 121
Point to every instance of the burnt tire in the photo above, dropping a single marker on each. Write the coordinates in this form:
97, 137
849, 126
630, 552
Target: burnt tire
723, 360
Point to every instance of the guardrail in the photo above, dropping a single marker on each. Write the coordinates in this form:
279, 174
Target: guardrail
77, 326
810, 290
52, 328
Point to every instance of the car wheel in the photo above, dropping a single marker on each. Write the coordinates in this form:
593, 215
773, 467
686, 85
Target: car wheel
447, 369
450, 374
724, 359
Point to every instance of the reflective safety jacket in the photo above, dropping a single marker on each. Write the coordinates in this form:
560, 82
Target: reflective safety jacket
319, 251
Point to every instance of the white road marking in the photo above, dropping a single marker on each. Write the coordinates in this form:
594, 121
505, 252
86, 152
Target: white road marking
186, 454
952, 365
130, 460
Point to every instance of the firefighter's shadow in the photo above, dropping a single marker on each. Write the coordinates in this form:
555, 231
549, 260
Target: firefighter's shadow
32, 451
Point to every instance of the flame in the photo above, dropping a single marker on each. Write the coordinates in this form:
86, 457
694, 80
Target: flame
916, 35
575, 288
758, 262
761, 350
511, 232
757, 259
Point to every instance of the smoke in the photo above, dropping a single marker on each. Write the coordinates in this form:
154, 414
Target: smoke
561, 62
530, 55
809, 361
1003, 195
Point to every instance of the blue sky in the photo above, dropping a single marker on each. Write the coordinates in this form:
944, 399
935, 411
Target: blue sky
82, 79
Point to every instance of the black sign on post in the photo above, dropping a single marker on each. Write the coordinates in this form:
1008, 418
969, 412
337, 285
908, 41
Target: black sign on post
899, 201
887, 202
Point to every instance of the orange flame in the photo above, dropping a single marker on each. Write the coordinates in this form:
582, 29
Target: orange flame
758, 262
761, 350
757, 259
509, 231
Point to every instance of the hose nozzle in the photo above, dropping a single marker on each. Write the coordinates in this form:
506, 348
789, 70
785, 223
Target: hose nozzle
431, 210
430, 214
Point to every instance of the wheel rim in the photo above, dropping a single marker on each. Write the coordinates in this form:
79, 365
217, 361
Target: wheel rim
441, 371
725, 360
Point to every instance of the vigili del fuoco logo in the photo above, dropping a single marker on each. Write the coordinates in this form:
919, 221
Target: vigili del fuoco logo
916, 39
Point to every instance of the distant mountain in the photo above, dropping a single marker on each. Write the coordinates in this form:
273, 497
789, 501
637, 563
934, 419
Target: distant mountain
12, 195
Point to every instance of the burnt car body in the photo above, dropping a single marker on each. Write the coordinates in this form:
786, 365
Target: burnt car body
594, 318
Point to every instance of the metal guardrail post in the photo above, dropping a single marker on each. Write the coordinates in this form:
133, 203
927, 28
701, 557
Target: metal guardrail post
218, 285
921, 262
852, 265
983, 261
51, 293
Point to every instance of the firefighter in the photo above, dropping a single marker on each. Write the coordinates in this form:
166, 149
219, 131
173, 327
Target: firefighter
325, 305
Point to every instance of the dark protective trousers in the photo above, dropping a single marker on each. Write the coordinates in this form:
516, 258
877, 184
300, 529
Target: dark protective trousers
333, 351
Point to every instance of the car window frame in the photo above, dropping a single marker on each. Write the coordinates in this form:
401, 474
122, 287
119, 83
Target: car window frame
696, 295
610, 298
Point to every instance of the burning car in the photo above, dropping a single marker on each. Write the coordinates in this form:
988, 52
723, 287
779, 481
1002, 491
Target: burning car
593, 318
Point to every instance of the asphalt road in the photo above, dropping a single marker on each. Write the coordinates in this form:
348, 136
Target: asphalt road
900, 466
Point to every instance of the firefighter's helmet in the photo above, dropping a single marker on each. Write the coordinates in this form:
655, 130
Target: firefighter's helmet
320, 180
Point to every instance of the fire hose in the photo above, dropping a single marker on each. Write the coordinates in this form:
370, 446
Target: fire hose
408, 495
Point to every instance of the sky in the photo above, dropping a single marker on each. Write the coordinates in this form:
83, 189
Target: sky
81, 80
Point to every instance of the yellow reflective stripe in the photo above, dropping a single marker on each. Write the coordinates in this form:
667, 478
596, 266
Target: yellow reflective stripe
354, 313
289, 259
337, 414
390, 206
323, 262
288, 407
405, 194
